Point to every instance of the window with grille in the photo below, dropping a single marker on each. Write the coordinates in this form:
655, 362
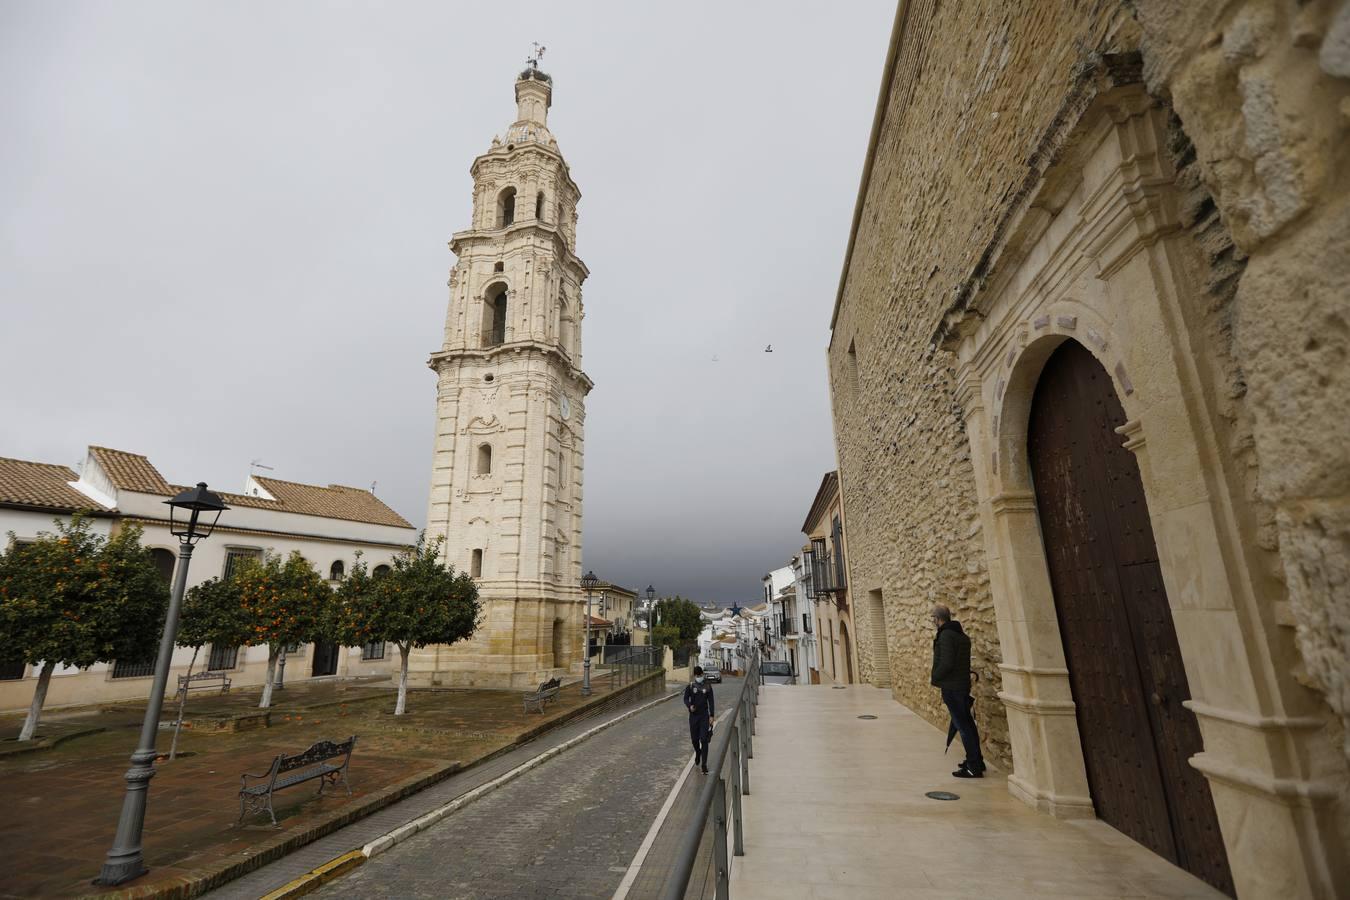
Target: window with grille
12, 669
222, 658
336, 570
373, 650
124, 669
236, 555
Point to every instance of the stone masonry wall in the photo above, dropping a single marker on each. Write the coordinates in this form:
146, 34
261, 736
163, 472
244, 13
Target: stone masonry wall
1263, 88
976, 85
1261, 93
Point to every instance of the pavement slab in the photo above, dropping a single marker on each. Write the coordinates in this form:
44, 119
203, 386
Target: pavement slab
838, 810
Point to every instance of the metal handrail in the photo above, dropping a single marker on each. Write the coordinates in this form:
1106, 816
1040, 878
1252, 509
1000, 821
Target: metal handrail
712, 799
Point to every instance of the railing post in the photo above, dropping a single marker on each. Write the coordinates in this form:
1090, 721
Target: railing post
746, 753
736, 788
720, 861
748, 726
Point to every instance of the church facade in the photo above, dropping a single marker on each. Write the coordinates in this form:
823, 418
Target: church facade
1087, 367
506, 484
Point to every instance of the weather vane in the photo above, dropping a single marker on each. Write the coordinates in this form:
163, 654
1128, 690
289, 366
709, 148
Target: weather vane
538, 54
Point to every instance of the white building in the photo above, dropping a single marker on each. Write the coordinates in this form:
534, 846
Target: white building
327, 525
789, 633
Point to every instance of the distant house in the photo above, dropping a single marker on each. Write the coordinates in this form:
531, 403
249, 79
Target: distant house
327, 525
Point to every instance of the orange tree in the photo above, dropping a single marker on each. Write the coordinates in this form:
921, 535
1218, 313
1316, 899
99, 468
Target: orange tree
420, 601
75, 598
282, 602
213, 613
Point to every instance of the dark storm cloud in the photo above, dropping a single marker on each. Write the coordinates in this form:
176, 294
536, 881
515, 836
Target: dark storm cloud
223, 238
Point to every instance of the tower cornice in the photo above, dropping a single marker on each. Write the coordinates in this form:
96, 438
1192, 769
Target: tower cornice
514, 347
464, 239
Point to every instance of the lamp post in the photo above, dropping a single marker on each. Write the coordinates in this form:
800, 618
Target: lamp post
588, 581
125, 860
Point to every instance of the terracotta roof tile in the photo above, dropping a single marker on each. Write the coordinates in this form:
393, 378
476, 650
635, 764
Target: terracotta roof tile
335, 502
44, 484
40, 484
130, 471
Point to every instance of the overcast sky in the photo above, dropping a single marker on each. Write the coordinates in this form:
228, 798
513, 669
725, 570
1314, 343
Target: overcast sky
223, 238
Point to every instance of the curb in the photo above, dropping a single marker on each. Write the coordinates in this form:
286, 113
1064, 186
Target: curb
47, 743
317, 877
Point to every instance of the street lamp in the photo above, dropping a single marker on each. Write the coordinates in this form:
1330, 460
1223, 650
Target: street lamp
588, 581
651, 620
192, 516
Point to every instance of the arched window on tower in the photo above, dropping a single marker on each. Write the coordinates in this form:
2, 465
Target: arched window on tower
539, 206
484, 466
564, 324
506, 207
494, 316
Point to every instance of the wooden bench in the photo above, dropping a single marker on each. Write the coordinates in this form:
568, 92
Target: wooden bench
288, 771
546, 692
203, 680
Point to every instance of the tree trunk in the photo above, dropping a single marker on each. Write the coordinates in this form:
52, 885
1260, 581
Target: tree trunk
273, 652
182, 705
402, 680
30, 724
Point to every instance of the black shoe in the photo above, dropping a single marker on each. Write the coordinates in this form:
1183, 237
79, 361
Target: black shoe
964, 772
705, 770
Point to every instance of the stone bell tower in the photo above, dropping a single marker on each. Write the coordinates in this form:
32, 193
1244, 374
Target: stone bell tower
510, 405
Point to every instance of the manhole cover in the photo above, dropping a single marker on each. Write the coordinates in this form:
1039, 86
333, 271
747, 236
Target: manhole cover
942, 795
867, 717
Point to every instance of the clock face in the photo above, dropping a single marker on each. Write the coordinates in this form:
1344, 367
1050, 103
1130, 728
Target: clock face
566, 406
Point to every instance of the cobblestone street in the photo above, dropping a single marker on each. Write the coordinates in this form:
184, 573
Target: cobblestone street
568, 828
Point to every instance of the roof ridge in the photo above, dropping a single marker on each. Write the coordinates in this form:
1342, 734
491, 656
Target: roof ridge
35, 462
115, 450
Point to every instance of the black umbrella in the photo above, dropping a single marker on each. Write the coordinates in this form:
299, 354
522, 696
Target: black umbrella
951, 725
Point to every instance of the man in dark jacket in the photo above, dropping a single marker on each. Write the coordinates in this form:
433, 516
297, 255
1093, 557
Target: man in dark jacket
698, 699
951, 673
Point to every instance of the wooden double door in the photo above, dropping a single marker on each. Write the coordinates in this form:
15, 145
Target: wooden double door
1124, 662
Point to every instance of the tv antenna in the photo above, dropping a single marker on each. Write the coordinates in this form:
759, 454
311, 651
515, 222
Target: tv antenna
538, 54
255, 464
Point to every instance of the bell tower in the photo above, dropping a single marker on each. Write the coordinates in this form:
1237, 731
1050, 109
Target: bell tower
506, 480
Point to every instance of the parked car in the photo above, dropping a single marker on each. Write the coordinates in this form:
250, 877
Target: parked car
712, 673
776, 672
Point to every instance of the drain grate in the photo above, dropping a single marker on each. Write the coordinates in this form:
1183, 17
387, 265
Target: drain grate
942, 795
867, 717
839, 687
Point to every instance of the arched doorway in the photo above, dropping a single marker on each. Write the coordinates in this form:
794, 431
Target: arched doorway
848, 651
559, 644
164, 563
1124, 662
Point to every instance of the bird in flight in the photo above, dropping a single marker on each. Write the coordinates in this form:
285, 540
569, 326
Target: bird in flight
768, 349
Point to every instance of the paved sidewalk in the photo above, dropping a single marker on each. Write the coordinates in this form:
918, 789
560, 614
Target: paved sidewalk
838, 811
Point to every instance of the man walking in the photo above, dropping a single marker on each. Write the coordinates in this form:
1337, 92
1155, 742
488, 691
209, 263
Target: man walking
698, 699
951, 673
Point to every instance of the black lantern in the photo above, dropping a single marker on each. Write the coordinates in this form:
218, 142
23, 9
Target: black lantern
589, 581
651, 593
193, 513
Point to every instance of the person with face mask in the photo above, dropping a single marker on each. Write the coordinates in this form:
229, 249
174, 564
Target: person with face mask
698, 699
